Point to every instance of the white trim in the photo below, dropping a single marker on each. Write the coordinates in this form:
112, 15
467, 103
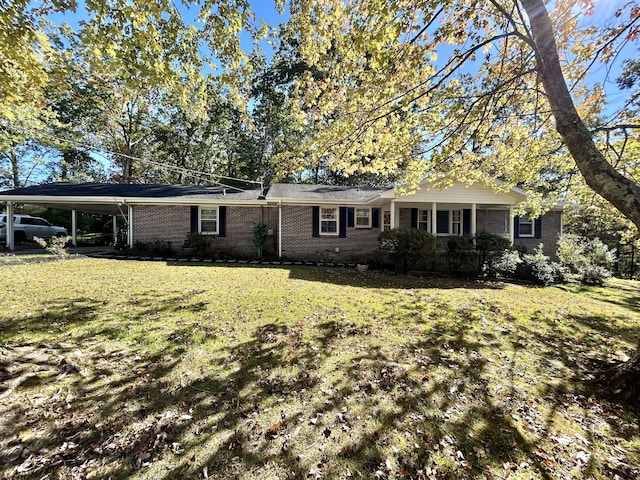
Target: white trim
533, 227
355, 217
427, 221
74, 228
209, 207
280, 230
130, 225
337, 221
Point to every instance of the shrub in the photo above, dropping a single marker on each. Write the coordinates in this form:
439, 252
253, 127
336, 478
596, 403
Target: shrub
594, 274
157, 248
541, 270
490, 247
198, 244
260, 232
590, 258
407, 246
461, 254
56, 245
504, 265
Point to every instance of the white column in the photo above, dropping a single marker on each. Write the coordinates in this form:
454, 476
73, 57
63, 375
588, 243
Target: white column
280, 229
74, 228
473, 219
10, 236
434, 218
115, 229
392, 211
130, 226
510, 226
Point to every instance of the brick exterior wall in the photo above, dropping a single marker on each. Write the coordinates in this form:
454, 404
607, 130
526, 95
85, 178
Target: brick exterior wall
173, 223
298, 241
161, 222
551, 224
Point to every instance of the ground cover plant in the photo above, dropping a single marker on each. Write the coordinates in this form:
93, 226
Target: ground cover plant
152, 370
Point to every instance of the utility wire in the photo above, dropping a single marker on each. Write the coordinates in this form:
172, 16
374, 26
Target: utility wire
165, 166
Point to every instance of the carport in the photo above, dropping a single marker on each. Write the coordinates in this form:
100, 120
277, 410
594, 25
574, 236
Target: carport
96, 198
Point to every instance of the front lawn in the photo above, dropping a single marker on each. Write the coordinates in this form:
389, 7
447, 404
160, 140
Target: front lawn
122, 369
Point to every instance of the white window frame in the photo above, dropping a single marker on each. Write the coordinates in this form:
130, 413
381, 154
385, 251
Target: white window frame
367, 217
335, 220
458, 222
426, 222
217, 210
527, 221
386, 215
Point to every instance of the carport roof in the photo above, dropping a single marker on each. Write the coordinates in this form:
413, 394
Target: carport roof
108, 198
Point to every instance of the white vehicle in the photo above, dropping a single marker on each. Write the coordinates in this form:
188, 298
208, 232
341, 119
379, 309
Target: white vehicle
25, 227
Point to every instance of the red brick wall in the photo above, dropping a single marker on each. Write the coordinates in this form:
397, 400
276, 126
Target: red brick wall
170, 223
298, 241
551, 222
173, 223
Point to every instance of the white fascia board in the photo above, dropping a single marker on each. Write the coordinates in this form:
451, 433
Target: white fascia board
192, 201
61, 199
298, 201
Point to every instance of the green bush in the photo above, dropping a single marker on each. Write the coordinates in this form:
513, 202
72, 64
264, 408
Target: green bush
260, 232
539, 268
590, 258
408, 246
504, 265
198, 245
461, 256
490, 247
56, 245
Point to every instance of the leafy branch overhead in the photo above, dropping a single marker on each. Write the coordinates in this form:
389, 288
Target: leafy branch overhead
453, 88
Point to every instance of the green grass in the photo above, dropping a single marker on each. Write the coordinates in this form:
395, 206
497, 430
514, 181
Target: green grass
122, 369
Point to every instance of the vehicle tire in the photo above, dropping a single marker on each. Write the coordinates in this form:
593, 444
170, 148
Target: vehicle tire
19, 237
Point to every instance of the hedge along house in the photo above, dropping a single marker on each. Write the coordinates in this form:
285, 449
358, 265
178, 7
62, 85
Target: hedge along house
305, 222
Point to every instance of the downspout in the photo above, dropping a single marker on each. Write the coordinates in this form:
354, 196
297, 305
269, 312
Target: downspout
74, 228
279, 228
130, 226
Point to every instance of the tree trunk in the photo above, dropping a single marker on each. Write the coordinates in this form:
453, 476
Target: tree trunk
599, 174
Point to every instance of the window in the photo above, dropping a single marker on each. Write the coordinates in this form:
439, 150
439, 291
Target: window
328, 220
386, 220
424, 220
209, 221
525, 225
456, 222
363, 217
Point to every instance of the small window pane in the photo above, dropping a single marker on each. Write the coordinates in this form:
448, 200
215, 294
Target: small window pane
328, 220
363, 217
386, 220
209, 220
424, 221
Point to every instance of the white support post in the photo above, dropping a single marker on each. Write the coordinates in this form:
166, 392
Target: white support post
115, 229
473, 219
510, 226
434, 218
280, 229
392, 213
10, 241
74, 228
130, 226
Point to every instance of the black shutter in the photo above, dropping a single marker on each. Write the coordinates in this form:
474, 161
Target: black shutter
350, 217
516, 226
466, 221
375, 218
538, 227
343, 222
414, 218
222, 222
194, 219
315, 219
